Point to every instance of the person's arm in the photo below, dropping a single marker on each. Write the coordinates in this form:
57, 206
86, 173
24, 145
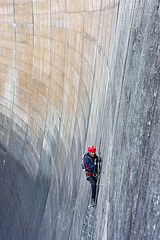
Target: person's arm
90, 166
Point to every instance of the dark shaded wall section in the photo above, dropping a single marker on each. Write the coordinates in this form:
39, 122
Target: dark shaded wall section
72, 74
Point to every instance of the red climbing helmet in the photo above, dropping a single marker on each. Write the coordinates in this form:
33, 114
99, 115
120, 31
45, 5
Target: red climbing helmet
91, 148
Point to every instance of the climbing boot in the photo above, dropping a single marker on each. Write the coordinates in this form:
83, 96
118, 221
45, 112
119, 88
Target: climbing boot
93, 202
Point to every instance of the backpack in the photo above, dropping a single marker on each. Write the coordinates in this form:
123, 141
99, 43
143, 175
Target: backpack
83, 161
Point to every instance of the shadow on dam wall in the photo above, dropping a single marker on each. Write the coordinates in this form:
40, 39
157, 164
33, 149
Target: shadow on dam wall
74, 73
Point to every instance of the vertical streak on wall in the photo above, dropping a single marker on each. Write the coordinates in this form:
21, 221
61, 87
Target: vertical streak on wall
33, 48
81, 81
65, 70
12, 81
92, 135
66, 55
46, 115
121, 85
83, 35
15, 74
32, 75
50, 45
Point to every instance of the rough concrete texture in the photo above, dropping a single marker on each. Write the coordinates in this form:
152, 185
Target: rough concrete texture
74, 73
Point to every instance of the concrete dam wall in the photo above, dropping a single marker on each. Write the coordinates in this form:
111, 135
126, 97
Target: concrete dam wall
75, 73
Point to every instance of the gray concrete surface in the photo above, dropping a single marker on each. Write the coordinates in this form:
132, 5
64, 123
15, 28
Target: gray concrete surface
43, 191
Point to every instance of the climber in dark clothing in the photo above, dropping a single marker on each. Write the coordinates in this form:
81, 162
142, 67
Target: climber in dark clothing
91, 160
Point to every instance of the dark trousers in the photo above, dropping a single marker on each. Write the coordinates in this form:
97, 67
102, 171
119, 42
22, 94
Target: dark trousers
93, 181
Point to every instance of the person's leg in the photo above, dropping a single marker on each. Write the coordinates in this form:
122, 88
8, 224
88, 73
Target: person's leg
92, 180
